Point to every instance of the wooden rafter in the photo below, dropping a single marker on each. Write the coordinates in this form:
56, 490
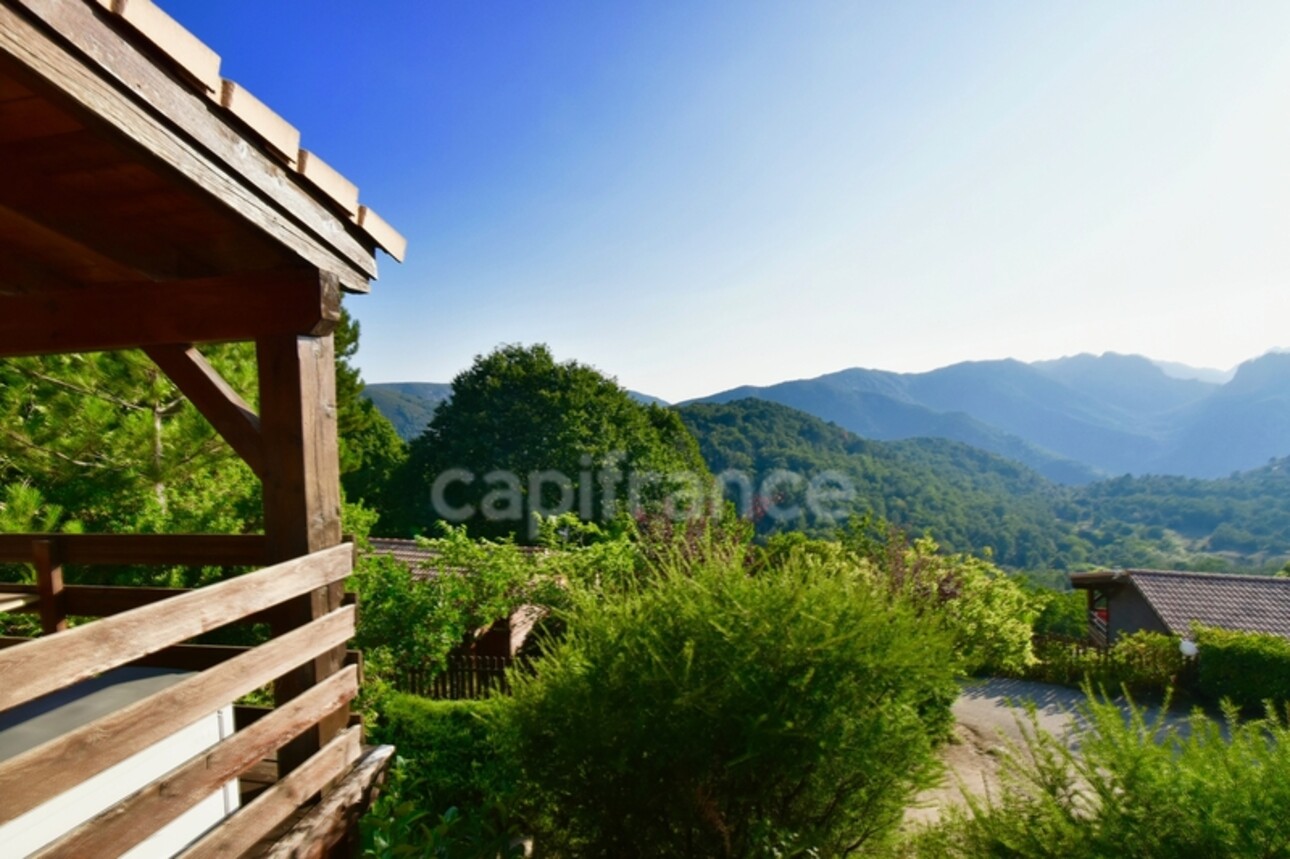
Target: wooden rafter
156, 113
232, 418
122, 316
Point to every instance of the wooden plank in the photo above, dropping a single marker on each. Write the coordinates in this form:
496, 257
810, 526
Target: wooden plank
39, 774
237, 307
301, 494
52, 260
14, 601
338, 813
161, 115
235, 421
49, 584
197, 60
280, 135
328, 180
53, 662
233, 550
133, 819
390, 239
249, 824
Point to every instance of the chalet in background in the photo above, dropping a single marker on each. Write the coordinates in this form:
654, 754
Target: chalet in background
1168, 601
146, 202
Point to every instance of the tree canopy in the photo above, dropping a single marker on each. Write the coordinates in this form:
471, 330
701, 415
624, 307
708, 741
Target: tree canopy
524, 433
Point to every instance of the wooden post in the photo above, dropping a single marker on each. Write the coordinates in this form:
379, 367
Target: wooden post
49, 584
301, 499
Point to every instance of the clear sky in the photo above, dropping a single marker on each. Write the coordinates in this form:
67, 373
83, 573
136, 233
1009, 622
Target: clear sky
696, 195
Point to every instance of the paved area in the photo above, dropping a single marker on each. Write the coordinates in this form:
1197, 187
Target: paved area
987, 714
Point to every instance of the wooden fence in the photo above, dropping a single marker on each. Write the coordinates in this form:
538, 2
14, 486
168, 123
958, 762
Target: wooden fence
139, 625
1140, 666
466, 677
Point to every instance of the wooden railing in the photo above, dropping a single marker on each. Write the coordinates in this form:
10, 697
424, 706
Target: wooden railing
144, 624
467, 676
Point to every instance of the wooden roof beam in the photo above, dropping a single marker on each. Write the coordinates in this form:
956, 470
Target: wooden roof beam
136, 315
232, 418
116, 85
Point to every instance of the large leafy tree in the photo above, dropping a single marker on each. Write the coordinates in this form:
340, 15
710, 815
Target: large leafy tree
370, 448
523, 431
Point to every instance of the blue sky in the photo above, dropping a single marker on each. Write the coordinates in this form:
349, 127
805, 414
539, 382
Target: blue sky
696, 195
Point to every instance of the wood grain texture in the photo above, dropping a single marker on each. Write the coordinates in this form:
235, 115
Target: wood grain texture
384, 235
235, 421
237, 307
301, 495
338, 813
132, 820
49, 585
161, 549
281, 136
50, 663
160, 115
190, 53
328, 180
252, 822
39, 774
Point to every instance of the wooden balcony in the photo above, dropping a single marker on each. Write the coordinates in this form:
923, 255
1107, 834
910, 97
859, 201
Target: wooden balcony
280, 811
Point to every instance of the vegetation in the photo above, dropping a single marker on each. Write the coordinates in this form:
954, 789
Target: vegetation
1134, 787
975, 501
1142, 662
523, 434
1249, 669
716, 714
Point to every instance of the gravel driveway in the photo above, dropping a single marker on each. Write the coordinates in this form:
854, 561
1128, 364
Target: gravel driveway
987, 712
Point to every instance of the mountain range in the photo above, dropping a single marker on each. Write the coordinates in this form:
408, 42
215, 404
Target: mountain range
1074, 420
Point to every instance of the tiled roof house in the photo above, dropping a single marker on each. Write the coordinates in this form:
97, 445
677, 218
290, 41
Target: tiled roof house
1170, 601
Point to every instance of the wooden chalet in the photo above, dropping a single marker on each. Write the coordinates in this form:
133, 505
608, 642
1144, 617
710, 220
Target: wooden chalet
146, 202
1121, 602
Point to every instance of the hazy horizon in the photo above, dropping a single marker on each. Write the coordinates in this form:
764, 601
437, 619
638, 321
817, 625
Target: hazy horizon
1199, 372
696, 196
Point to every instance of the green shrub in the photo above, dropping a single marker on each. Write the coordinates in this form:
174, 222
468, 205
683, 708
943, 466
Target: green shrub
1143, 662
1246, 667
399, 825
716, 713
1133, 788
450, 750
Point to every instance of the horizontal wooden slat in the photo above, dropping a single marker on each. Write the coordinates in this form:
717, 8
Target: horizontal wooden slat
58, 660
13, 601
199, 657
338, 813
108, 600
203, 310
37, 775
249, 824
233, 550
135, 818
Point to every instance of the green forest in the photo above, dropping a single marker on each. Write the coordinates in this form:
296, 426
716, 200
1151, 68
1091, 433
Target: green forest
701, 684
103, 442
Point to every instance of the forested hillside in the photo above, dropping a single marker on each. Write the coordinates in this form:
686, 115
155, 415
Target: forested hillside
1072, 419
971, 500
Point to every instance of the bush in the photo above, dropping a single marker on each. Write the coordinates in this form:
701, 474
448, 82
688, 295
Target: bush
1134, 788
1143, 662
1246, 667
714, 713
449, 748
